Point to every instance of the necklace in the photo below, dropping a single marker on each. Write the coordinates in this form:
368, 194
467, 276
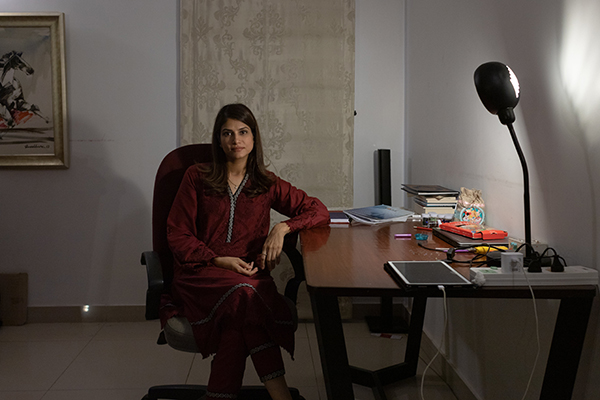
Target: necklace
233, 184
237, 185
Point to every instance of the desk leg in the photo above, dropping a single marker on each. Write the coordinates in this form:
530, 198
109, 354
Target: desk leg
376, 380
332, 346
415, 333
565, 351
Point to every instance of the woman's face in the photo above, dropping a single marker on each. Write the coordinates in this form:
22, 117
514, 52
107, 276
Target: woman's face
237, 140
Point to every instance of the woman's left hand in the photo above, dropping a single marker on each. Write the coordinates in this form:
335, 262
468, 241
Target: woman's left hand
271, 251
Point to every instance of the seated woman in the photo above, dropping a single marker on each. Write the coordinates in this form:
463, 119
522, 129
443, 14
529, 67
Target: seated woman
218, 231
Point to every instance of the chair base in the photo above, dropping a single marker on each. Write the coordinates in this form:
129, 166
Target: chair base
176, 392
195, 392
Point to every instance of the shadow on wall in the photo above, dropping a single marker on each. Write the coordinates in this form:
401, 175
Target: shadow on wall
579, 66
562, 143
561, 104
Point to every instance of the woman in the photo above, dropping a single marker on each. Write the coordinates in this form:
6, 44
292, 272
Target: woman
218, 231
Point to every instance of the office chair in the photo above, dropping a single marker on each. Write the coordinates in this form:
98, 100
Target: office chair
159, 267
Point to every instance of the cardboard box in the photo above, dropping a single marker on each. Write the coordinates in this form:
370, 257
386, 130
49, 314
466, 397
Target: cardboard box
13, 298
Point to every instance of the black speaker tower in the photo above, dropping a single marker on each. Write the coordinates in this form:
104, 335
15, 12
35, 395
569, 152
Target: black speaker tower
384, 177
386, 322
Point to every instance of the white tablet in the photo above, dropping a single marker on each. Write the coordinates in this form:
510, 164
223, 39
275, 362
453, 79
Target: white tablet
426, 275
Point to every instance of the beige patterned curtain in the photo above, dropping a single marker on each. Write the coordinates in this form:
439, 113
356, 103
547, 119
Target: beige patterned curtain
292, 63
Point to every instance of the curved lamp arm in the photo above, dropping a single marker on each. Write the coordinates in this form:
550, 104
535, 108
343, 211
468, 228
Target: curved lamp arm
499, 91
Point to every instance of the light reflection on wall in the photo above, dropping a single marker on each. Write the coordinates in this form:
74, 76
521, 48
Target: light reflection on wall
580, 63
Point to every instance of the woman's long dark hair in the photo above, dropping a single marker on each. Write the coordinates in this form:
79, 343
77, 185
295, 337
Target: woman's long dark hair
216, 176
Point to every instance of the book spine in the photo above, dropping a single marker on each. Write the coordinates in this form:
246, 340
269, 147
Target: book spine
436, 199
419, 209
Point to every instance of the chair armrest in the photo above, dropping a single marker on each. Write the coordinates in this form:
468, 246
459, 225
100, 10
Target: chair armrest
155, 283
289, 247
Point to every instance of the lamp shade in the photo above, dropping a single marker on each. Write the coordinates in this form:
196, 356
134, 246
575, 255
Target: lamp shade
498, 89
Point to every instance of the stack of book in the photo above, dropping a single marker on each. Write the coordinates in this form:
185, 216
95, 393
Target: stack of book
429, 199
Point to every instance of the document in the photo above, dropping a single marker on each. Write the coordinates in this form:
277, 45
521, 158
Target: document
378, 214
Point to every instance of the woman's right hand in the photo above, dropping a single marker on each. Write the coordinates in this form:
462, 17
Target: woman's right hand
235, 264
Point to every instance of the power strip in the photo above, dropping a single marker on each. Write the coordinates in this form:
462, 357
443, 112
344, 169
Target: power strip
573, 275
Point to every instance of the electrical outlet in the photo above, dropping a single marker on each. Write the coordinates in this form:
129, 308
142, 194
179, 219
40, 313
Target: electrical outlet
514, 244
511, 262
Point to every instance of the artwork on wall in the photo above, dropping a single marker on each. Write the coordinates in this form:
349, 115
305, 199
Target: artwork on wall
33, 107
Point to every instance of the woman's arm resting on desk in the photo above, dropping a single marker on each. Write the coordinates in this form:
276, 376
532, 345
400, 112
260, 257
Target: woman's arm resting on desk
271, 251
304, 212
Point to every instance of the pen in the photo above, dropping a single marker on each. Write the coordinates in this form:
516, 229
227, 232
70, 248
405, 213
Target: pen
422, 228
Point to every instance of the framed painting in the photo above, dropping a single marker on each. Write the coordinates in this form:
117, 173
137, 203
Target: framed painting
33, 105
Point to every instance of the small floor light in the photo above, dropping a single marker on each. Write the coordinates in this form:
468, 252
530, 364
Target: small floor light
498, 89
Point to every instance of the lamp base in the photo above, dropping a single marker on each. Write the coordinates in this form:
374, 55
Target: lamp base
533, 263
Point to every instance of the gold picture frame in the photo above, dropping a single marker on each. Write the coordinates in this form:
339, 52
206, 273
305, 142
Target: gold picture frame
33, 96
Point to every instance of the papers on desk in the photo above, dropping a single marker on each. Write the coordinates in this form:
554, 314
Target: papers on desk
378, 214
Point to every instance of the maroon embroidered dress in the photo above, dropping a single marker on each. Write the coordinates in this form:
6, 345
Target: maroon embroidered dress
202, 226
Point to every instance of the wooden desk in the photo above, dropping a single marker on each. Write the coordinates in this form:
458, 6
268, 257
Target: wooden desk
348, 261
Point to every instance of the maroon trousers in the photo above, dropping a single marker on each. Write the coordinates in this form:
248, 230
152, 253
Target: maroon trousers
227, 368
233, 316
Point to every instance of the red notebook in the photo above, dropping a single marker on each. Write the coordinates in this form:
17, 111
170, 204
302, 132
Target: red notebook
473, 231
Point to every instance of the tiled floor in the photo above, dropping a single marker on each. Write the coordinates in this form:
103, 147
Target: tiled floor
119, 361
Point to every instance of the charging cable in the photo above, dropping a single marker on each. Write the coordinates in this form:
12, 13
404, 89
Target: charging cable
443, 289
537, 334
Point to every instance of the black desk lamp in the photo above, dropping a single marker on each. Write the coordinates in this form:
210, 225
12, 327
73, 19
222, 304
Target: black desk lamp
498, 89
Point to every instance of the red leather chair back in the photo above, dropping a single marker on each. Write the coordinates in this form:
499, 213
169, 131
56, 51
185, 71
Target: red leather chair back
168, 178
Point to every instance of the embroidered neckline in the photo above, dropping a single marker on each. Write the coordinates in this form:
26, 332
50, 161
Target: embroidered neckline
233, 201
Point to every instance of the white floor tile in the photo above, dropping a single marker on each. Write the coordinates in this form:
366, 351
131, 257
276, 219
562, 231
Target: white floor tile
35, 365
301, 332
200, 371
374, 352
300, 372
21, 395
148, 330
362, 393
309, 392
125, 364
409, 389
49, 332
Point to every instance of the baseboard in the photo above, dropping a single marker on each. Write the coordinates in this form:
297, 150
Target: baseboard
136, 313
86, 314
445, 370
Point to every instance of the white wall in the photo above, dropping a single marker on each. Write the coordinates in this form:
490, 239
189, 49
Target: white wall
379, 95
452, 140
79, 232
